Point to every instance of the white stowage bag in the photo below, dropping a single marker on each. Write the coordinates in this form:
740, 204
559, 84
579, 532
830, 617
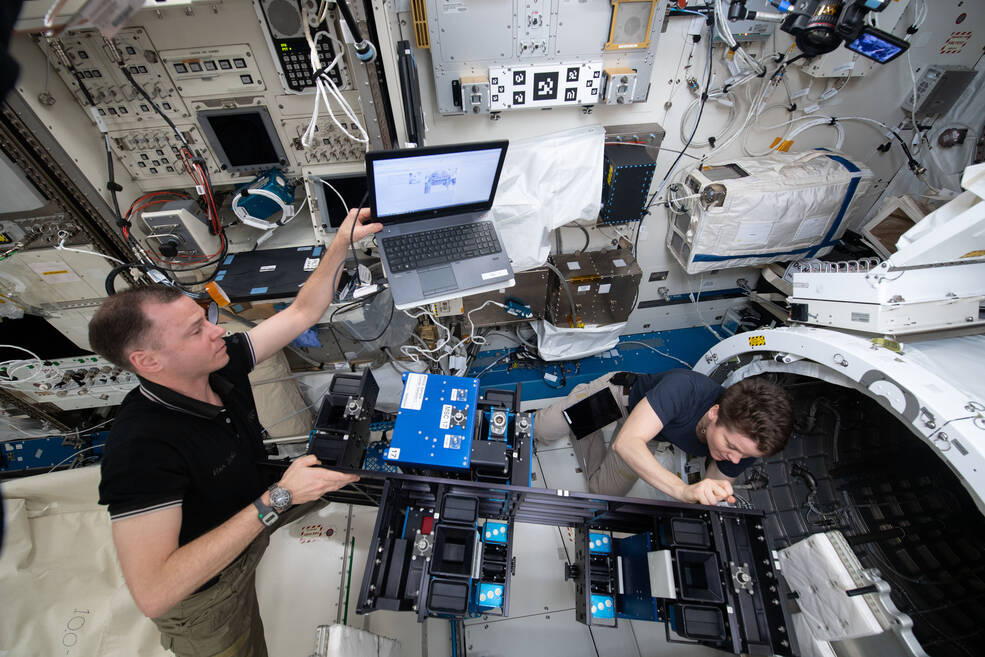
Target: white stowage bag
61, 586
557, 343
546, 182
791, 206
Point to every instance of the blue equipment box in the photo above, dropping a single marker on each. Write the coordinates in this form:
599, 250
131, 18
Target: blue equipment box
435, 422
489, 596
603, 606
494, 532
599, 543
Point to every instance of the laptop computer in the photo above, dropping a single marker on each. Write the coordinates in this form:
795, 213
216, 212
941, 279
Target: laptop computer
435, 243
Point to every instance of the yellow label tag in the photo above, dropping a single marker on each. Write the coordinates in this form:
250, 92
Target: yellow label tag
757, 341
611, 172
785, 146
54, 273
974, 254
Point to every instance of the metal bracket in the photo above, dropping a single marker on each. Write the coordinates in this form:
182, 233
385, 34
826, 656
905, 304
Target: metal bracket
741, 578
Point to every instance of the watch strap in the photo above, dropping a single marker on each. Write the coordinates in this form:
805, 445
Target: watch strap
268, 515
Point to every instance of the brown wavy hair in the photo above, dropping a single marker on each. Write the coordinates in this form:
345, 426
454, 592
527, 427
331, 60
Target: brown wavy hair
760, 410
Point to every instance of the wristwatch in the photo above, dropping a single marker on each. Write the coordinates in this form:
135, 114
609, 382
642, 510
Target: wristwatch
280, 501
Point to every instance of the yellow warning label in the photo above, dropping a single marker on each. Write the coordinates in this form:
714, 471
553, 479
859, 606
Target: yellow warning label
974, 254
757, 341
3, 238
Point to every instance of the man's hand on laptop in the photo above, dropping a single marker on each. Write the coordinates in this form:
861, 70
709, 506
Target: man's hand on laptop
356, 227
707, 491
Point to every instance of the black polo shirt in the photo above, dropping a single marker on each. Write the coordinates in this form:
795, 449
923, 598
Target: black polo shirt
167, 450
680, 398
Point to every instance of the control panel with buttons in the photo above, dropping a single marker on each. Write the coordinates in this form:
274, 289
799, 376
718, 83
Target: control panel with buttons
294, 62
71, 383
118, 104
152, 156
214, 70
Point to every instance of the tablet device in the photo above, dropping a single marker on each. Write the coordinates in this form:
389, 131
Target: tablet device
592, 413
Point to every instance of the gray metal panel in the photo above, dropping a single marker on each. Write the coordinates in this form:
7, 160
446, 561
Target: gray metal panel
468, 38
583, 27
469, 31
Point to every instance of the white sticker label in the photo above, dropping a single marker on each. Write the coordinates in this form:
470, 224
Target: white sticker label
573, 266
619, 262
393, 453
310, 264
499, 273
810, 228
445, 416
604, 288
453, 442
753, 233
459, 394
414, 391
584, 288
268, 268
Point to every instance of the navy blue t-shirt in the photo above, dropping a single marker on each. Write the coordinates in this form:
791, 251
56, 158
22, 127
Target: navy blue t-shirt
680, 398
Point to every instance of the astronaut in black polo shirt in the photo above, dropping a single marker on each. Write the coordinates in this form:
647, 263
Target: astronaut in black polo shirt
190, 506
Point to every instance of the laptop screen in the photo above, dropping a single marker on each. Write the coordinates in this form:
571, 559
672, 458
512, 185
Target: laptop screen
423, 183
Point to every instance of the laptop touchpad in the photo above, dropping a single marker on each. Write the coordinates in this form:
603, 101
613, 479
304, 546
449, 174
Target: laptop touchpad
437, 280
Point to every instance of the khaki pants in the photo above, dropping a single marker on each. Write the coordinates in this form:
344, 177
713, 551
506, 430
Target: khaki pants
224, 619
606, 472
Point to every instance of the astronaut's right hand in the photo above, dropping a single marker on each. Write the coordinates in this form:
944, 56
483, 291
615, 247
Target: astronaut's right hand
307, 482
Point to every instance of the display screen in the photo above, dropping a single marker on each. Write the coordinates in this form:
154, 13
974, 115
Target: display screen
414, 184
592, 413
243, 137
878, 45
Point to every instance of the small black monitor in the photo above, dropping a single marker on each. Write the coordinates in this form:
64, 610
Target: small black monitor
244, 140
352, 189
878, 45
592, 413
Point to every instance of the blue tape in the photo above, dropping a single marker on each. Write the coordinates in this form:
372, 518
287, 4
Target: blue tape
849, 195
258, 290
229, 259
316, 252
220, 275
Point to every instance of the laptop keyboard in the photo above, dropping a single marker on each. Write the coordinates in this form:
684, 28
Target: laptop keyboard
441, 246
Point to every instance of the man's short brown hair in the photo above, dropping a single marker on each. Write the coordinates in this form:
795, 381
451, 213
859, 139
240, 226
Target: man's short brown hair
120, 325
760, 410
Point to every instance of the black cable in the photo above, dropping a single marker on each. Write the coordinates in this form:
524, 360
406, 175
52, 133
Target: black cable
587, 238
350, 306
694, 131
352, 231
157, 109
365, 51
111, 183
350, 20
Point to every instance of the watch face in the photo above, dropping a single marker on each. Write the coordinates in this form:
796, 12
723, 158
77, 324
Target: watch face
280, 498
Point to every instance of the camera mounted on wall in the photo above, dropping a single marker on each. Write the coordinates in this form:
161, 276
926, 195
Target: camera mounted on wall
820, 26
